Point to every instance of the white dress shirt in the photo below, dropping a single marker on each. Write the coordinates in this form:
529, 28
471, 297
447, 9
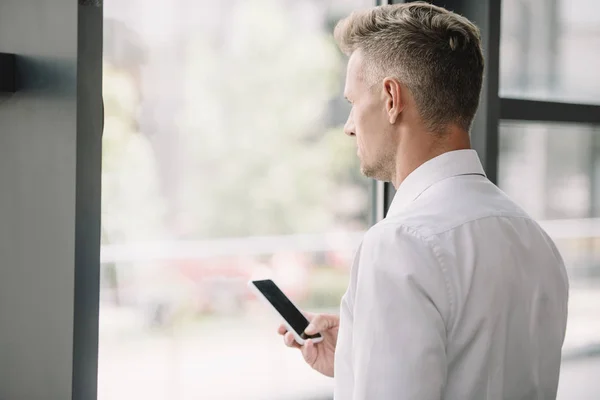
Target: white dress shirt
457, 294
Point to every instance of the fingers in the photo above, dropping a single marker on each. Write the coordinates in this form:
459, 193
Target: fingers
289, 340
321, 323
282, 330
309, 316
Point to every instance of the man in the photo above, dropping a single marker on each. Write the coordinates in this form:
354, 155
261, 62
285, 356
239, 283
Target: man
457, 294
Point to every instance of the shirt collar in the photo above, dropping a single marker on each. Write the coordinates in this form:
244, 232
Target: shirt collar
447, 165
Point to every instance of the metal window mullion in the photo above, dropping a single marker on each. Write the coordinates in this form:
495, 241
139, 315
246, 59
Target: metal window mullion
548, 111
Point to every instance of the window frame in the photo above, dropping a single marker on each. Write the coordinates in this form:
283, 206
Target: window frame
485, 136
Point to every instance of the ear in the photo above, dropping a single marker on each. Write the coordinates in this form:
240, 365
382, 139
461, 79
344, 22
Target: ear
392, 91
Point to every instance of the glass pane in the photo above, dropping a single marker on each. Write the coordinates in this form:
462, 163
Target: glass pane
550, 50
224, 160
553, 171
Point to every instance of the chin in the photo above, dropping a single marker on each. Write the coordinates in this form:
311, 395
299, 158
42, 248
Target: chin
374, 173
368, 171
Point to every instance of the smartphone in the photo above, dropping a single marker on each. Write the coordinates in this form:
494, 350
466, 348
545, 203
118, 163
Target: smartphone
293, 318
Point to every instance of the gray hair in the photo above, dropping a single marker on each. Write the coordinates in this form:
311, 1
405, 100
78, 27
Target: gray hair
435, 53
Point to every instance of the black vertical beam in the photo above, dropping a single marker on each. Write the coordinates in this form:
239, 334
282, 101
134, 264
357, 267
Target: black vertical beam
388, 196
7, 73
87, 201
382, 196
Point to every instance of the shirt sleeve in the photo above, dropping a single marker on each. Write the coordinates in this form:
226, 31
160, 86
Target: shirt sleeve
400, 309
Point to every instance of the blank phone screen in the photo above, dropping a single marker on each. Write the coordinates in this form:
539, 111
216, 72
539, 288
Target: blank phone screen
284, 306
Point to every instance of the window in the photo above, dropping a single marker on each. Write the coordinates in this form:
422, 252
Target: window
549, 50
548, 55
553, 171
224, 159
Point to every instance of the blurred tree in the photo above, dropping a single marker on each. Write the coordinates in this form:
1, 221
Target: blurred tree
132, 208
259, 157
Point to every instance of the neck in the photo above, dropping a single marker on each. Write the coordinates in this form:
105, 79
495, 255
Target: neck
428, 146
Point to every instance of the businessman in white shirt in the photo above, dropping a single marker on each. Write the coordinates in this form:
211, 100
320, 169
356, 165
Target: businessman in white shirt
457, 294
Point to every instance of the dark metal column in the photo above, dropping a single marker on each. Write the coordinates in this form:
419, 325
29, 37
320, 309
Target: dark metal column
87, 200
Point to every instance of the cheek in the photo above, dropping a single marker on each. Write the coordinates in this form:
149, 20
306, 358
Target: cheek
362, 124
360, 130
368, 125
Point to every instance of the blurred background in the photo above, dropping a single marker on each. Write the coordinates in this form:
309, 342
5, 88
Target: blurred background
224, 160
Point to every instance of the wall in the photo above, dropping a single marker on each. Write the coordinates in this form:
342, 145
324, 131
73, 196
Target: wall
41, 203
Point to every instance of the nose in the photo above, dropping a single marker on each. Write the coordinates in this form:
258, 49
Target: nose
349, 128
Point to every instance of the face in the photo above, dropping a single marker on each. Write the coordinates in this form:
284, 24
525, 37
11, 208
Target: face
369, 122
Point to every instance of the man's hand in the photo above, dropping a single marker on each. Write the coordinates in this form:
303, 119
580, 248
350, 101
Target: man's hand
319, 356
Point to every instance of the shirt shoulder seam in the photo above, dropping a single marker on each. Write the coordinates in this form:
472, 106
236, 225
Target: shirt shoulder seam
480, 218
418, 230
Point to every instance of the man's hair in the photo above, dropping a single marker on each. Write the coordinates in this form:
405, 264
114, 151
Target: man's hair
435, 53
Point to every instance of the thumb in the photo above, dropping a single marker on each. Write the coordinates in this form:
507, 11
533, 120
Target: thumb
321, 323
310, 353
